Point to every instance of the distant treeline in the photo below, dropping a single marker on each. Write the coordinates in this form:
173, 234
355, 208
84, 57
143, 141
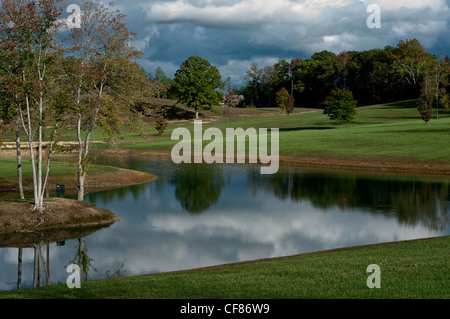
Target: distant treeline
374, 76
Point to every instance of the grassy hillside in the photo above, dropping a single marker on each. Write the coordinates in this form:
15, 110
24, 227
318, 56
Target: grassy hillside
412, 269
392, 133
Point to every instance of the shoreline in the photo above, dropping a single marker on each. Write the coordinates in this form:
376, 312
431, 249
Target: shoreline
121, 177
18, 220
20, 225
117, 178
329, 164
372, 168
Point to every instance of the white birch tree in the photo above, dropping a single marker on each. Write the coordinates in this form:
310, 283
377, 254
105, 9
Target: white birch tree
100, 70
28, 37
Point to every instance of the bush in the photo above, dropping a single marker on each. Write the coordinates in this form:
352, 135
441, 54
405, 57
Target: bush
285, 101
161, 125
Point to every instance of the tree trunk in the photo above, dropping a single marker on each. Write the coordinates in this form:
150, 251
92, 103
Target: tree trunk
35, 268
19, 270
437, 96
81, 178
83, 151
47, 266
19, 161
82, 261
39, 163
39, 274
29, 133
80, 173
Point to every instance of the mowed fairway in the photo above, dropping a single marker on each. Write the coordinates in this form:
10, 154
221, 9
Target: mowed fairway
392, 132
386, 133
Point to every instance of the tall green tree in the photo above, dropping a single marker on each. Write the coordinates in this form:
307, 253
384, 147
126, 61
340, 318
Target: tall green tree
342, 64
440, 72
426, 98
197, 84
162, 83
254, 77
372, 78
412, 60
283, 76
314, 78
340, 106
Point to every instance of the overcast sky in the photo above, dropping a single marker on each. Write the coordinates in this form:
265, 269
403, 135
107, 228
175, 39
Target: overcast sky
232, 34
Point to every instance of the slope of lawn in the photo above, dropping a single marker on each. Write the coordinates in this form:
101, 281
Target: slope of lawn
416, 269
388, 132
392, 132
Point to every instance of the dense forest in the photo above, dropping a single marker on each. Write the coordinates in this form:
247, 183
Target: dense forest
374, 76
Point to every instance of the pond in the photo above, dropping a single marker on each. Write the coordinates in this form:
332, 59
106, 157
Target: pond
202, 215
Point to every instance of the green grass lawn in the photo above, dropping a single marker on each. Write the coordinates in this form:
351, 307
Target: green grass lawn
57, 168
388, 132
391, 132
409, 270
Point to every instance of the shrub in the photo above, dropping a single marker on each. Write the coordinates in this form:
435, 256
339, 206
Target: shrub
161, 125
285, 101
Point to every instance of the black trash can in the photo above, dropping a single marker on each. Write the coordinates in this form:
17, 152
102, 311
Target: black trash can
60, 191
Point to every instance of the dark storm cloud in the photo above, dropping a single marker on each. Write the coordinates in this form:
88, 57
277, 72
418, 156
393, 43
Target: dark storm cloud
232, 34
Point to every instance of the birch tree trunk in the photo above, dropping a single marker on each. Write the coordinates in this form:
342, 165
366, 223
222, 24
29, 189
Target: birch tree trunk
83, 147
83, 153
36, 266
19, 270
39, 163
29, 133
39, 268
81, 173
19, 161
438, 78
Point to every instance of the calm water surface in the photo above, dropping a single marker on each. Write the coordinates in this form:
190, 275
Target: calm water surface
201, 215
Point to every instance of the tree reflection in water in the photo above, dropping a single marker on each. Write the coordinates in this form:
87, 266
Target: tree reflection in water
82, 259
41, 260
410, 201
198, 187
